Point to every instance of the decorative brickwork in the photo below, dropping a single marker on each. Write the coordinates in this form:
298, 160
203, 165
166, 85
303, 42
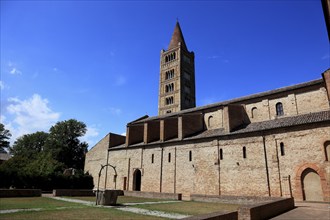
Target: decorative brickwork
298, 194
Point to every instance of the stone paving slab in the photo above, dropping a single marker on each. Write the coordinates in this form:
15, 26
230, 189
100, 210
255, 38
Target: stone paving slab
307, 211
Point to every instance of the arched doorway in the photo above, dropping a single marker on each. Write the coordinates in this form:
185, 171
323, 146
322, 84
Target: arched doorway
311, 184
137, 180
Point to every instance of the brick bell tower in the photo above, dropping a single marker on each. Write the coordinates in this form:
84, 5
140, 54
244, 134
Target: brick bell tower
177, 76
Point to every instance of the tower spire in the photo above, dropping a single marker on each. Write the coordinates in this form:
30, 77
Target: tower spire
177, 37
177, 76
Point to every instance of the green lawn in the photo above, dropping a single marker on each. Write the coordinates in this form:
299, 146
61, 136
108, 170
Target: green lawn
190, 207
62, 210
85, 213
33, 202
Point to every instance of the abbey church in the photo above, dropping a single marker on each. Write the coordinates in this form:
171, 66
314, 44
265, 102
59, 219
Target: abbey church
274, 143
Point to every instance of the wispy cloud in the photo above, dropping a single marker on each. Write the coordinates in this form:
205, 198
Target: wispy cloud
30, 115
213, 57
120, 80
3, 85
325, 57
114, 111
13, 69
90, 136
216, 57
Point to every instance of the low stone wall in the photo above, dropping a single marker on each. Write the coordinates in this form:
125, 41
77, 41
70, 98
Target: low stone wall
73, 192
242, 200
20, 193
154, 195
266, 210
253, 208
215, 216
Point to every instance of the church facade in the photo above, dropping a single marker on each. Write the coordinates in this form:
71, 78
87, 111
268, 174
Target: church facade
274, 143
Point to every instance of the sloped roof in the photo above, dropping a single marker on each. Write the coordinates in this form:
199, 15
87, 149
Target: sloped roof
277, 123
233, 101
177, 37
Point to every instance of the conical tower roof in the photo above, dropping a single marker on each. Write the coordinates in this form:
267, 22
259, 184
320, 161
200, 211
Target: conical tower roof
176, 38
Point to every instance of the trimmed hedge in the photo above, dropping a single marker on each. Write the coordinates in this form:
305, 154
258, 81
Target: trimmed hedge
54, 181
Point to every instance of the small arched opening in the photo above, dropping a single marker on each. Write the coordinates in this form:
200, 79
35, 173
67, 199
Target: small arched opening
327, 150
279, 109
137, 180
210, 121
254, 112
311, 185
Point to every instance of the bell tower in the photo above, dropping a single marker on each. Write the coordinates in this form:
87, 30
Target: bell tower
177, 76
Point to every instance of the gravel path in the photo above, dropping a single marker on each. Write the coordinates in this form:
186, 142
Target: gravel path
153, 213
73, 200
35, 209
18, 210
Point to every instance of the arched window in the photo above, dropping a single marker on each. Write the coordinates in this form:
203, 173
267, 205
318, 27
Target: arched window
169, 100
327, 150
244, 152
166, 59
169, 157
169, 87
152, 158
279, 109
282, 149
221, 154
210, 121
190, 156
254, 112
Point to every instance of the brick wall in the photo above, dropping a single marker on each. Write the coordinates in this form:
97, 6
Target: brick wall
207, 174
196, 166
96, 157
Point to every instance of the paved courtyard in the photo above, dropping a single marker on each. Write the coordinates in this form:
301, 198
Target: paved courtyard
307, 210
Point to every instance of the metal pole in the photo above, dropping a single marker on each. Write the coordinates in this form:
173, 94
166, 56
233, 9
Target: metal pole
98, 181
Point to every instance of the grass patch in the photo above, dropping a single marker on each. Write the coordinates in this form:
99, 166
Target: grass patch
190, 207
85, 213
33, 202
55, 209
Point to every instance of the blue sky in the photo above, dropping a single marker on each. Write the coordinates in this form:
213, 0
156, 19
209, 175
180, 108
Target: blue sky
98, 61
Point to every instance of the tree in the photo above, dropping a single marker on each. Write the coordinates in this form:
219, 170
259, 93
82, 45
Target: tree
64, 144
43, 165
4, 137
29, 145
